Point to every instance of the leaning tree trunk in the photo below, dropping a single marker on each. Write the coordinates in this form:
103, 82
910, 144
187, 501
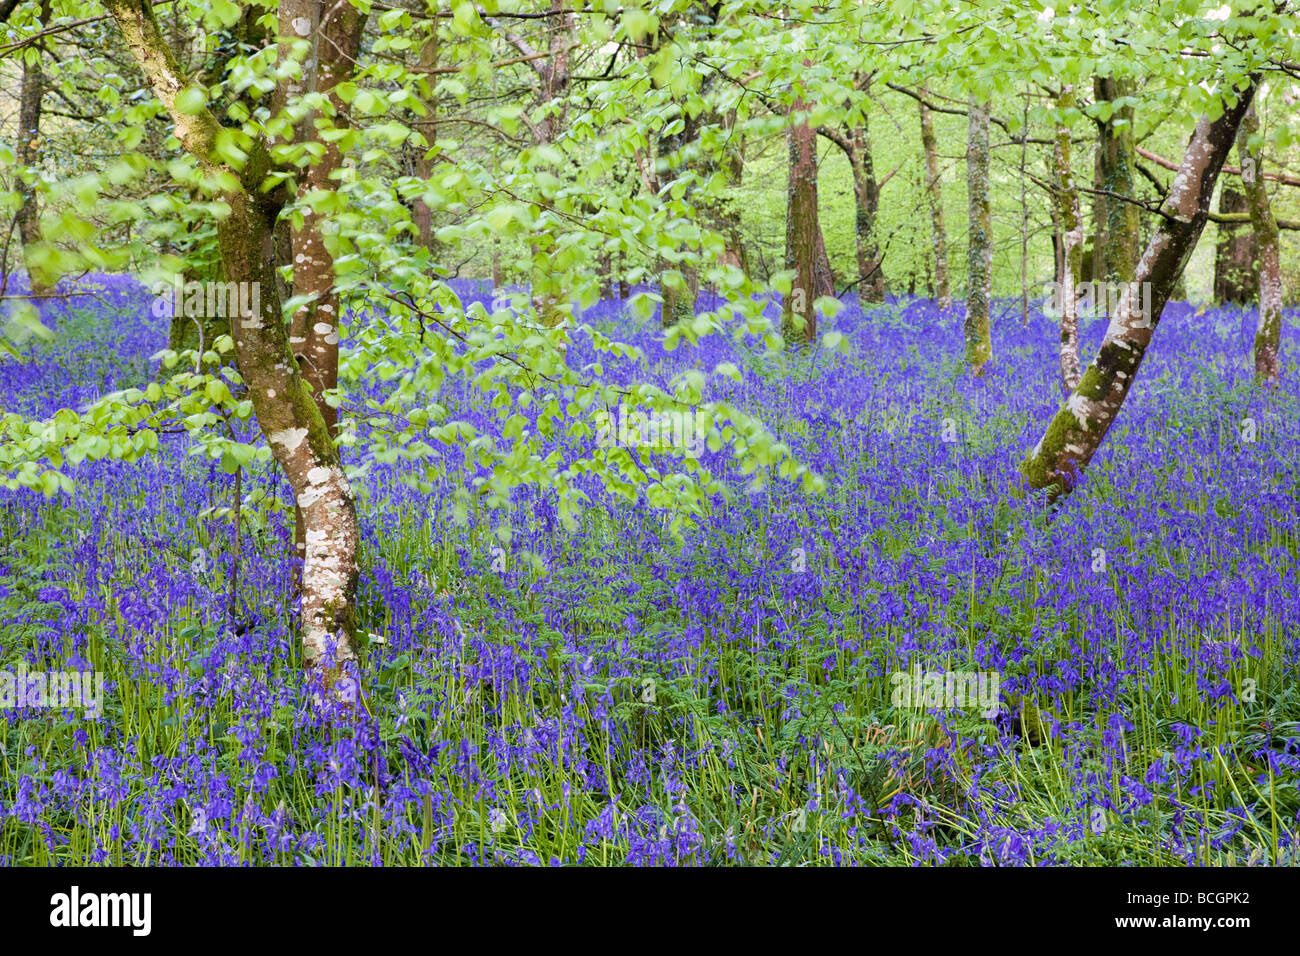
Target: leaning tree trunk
199, 332
287, 415
1118, 160
28, 155
1077, 430
979, 285
1268, 334
934, 195
805, 249
1070, 264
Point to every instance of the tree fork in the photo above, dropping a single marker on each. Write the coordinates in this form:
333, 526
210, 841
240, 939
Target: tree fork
286, 411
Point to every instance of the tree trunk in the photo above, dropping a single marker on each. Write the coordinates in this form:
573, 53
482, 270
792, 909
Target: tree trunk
805, 249
1094, 265
934, 194
866, 209
553, 87
866, 195
1117, 161
428, 128
979, 285
1077, 430
199, 332
722, 212
287, 415
335, 33
1070, 258
855, 143
1235, 251
1268, 334
28, 155
679, 300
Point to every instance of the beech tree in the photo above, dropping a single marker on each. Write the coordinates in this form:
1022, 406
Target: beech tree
1078, 428
1235, 250
288, 413
854, 140
318, 152
283, 141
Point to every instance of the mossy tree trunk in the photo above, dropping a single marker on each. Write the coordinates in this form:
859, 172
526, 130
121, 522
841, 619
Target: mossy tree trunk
1078, 428
934, 198
286, 411
1268, 334
721, 211
198, 332
979, 260
1116, 163
679, 283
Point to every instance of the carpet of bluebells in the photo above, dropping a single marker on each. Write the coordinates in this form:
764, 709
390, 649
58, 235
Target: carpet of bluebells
722, 697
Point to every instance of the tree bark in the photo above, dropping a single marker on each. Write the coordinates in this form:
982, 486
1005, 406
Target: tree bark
552, 88
679, 296
979, 285
855, 142
428, 128
334, 30
805, 249
1117, 160
1268, 334
1070, 258
1078, 428
199, 332
1235, 250
934, 195
28, 154
287, 414
722, 212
